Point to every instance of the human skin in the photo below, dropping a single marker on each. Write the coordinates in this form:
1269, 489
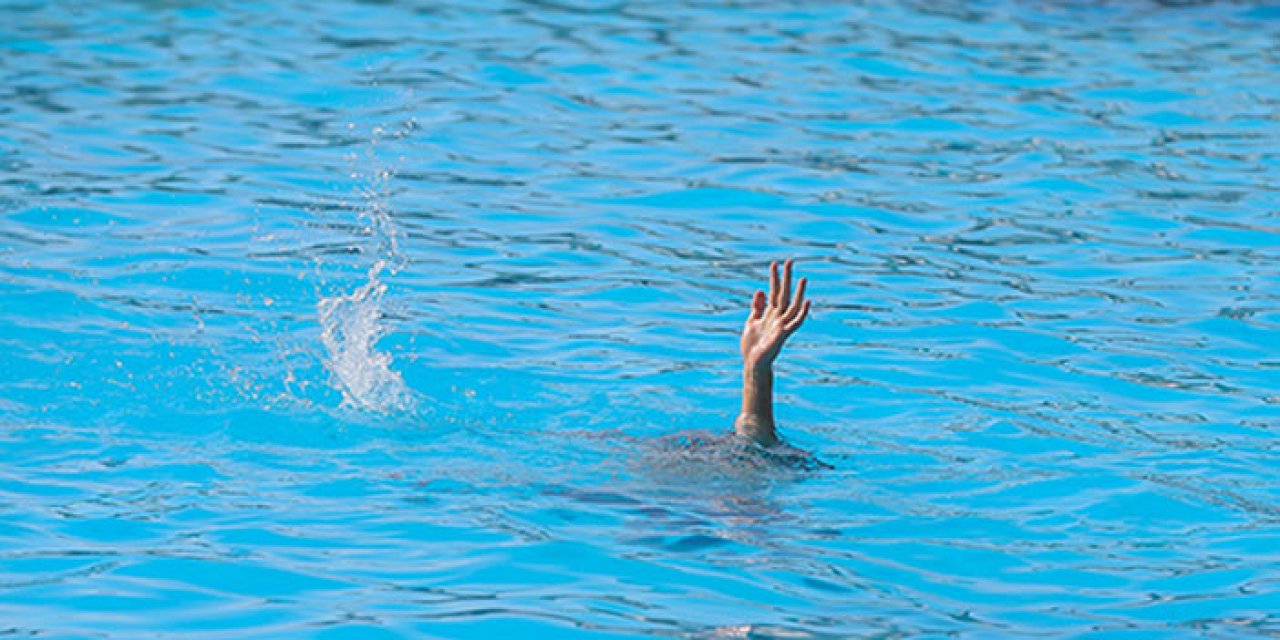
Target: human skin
772, 320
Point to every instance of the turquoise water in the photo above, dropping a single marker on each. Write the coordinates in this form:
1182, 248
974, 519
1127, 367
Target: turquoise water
336, 320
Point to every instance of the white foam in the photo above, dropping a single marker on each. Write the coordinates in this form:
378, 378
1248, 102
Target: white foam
350, 327
352, 324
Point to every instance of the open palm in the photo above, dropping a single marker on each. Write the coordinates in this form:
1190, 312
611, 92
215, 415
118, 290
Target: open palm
773, 318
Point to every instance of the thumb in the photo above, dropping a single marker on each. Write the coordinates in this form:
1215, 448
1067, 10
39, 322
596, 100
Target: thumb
757, 306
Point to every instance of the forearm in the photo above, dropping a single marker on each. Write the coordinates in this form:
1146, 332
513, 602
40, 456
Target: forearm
756, 419
772, 320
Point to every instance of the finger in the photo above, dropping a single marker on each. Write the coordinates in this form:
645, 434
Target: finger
785, 298
797, 302
757, 306
773, 283
791, 327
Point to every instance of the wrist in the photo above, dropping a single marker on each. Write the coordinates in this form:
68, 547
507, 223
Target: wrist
757, 368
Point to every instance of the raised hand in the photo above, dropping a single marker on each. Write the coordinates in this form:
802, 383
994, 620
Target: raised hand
773, 318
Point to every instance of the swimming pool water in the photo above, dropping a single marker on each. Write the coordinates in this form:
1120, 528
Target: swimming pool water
368, 320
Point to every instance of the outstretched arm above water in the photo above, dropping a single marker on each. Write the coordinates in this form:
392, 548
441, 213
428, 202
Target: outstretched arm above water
773, 319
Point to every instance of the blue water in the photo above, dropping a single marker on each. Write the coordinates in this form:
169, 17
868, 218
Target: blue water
365, 320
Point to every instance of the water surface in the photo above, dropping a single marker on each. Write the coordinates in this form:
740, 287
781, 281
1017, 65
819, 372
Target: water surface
367, 320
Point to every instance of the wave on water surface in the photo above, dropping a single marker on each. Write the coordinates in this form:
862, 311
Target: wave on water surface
518, 241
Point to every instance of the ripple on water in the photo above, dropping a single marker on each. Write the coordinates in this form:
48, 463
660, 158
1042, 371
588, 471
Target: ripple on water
402, 321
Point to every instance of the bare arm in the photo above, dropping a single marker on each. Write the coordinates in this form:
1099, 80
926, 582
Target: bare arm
772, 320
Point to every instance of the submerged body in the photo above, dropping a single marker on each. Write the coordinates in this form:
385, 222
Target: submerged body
733, 449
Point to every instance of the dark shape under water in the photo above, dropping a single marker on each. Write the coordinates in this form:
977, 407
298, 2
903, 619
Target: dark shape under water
739, 451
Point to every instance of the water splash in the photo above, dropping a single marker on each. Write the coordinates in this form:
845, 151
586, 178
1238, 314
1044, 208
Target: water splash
351, 326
